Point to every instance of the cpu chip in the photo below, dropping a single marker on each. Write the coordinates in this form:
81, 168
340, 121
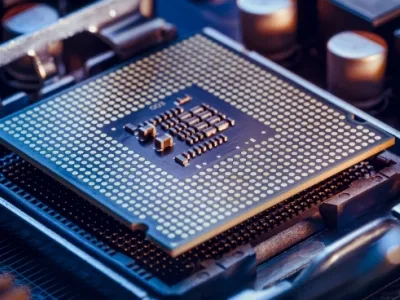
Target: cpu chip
189, 141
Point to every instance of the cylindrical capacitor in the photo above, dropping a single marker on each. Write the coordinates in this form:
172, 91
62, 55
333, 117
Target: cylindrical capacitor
26, 18
269, 26
40, 64
357, 63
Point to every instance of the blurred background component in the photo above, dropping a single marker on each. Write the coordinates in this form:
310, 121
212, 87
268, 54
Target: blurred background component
10, 291
25, 274
356, 65
29, 71
336, 16
269, 27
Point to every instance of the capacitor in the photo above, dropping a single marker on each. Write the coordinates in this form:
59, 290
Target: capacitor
379, 16
39, 64
356, 65
26, 18
269, 26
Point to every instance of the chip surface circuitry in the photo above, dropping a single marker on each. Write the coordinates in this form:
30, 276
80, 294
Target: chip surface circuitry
189, 141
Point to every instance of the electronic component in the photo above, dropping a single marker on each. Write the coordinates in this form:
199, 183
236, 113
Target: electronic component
10, 290
185, 115
183, 100
197, 109
165, 126
378, 12
147, 131
44, 192
205, 114
188, 131
342, 15
190, 141
24, 18
182, 160
192, 153
356, 66
202, 125
26, 273
163, 142
112, 168
181, 136
132, 129
95, 14
209, 132
221, 126
231, 122
39, 64
210, 121
269, 27
193, 120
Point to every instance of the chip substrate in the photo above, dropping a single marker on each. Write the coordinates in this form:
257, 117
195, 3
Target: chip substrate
189, 141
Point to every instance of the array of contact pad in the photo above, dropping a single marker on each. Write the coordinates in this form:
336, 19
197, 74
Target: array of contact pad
312, 138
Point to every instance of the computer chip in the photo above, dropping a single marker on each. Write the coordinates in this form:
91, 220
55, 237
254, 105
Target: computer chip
190, 141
